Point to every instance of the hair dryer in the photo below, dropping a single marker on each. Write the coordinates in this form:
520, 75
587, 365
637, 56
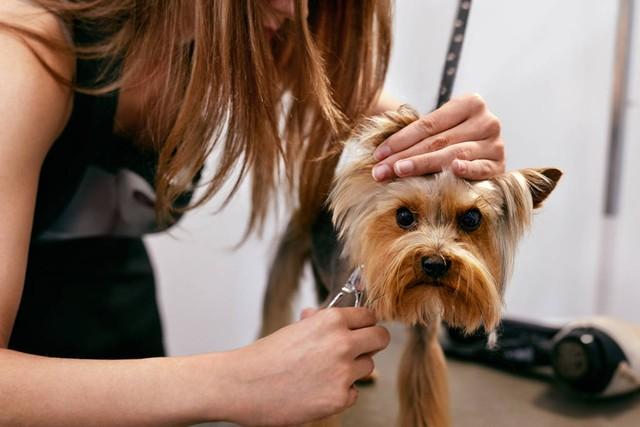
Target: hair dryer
594, 356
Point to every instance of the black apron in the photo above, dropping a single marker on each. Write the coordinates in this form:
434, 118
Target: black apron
89, 290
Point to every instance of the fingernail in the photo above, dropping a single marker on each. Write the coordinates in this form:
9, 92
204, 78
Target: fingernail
381, 172
381, 152
404, 167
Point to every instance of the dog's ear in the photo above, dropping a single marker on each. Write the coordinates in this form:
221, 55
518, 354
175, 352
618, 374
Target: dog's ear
525, 189
541, 183
353, 186
519, 193
378, 128
514, 196
359, 148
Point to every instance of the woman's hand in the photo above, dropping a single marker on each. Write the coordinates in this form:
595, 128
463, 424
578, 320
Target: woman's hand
462, 134
305, 371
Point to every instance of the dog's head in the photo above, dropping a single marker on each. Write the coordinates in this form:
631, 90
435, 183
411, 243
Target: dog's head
432, 246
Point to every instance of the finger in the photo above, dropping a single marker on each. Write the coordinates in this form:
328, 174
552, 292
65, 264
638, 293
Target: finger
354, 318
370, 340
477, 169
469, 130
434, 162
363, 366
449, 115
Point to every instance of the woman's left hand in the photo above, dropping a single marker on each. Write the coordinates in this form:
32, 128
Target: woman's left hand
462, 134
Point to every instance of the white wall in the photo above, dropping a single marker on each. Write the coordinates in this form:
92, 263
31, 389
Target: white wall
210, 294
545, 69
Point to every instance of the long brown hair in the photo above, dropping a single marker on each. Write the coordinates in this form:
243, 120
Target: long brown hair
273, 108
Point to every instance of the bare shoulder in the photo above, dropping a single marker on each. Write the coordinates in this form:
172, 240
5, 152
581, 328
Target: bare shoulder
32, 16
29, 94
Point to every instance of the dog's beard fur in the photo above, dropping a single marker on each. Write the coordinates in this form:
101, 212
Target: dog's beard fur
470, 293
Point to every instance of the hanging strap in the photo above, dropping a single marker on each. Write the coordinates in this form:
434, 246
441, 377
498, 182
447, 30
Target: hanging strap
453, 53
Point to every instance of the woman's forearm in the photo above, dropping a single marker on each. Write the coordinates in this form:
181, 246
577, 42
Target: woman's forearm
300, 373
39, 391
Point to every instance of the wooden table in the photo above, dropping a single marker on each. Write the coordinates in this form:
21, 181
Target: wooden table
485, 397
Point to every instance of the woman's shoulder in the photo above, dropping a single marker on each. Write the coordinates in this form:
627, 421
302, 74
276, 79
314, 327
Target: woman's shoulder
30, 15
24, 14
31, 94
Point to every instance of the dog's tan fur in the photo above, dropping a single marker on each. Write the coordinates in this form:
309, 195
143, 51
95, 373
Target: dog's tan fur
424, 399
468, 296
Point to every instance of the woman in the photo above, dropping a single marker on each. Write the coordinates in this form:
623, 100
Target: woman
107, 109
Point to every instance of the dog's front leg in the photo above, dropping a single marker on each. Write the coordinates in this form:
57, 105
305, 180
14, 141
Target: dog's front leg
422, 382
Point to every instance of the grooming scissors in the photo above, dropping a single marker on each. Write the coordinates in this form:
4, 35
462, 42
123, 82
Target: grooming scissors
353, 286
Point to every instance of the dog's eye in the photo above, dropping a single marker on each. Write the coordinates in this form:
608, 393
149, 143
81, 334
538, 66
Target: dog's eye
470, 220
405, 218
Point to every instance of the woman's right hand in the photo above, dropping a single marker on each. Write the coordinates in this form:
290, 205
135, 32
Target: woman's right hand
306, 370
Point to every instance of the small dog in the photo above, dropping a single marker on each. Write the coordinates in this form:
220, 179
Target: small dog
433, 247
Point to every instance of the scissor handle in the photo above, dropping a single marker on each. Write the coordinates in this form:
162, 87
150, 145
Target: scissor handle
345, 291
352, 287
335, 299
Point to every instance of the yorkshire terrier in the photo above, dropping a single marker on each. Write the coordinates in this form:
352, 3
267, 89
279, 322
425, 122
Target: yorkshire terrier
433, 248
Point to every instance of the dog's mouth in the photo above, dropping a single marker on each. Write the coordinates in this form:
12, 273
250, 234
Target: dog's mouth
431, 284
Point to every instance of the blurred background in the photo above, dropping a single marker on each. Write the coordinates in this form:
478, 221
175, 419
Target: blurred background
546, 70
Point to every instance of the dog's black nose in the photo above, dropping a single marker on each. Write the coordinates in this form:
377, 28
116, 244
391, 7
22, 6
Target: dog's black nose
435, 266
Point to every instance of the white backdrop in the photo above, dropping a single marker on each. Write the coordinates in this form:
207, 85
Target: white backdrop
545, 68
